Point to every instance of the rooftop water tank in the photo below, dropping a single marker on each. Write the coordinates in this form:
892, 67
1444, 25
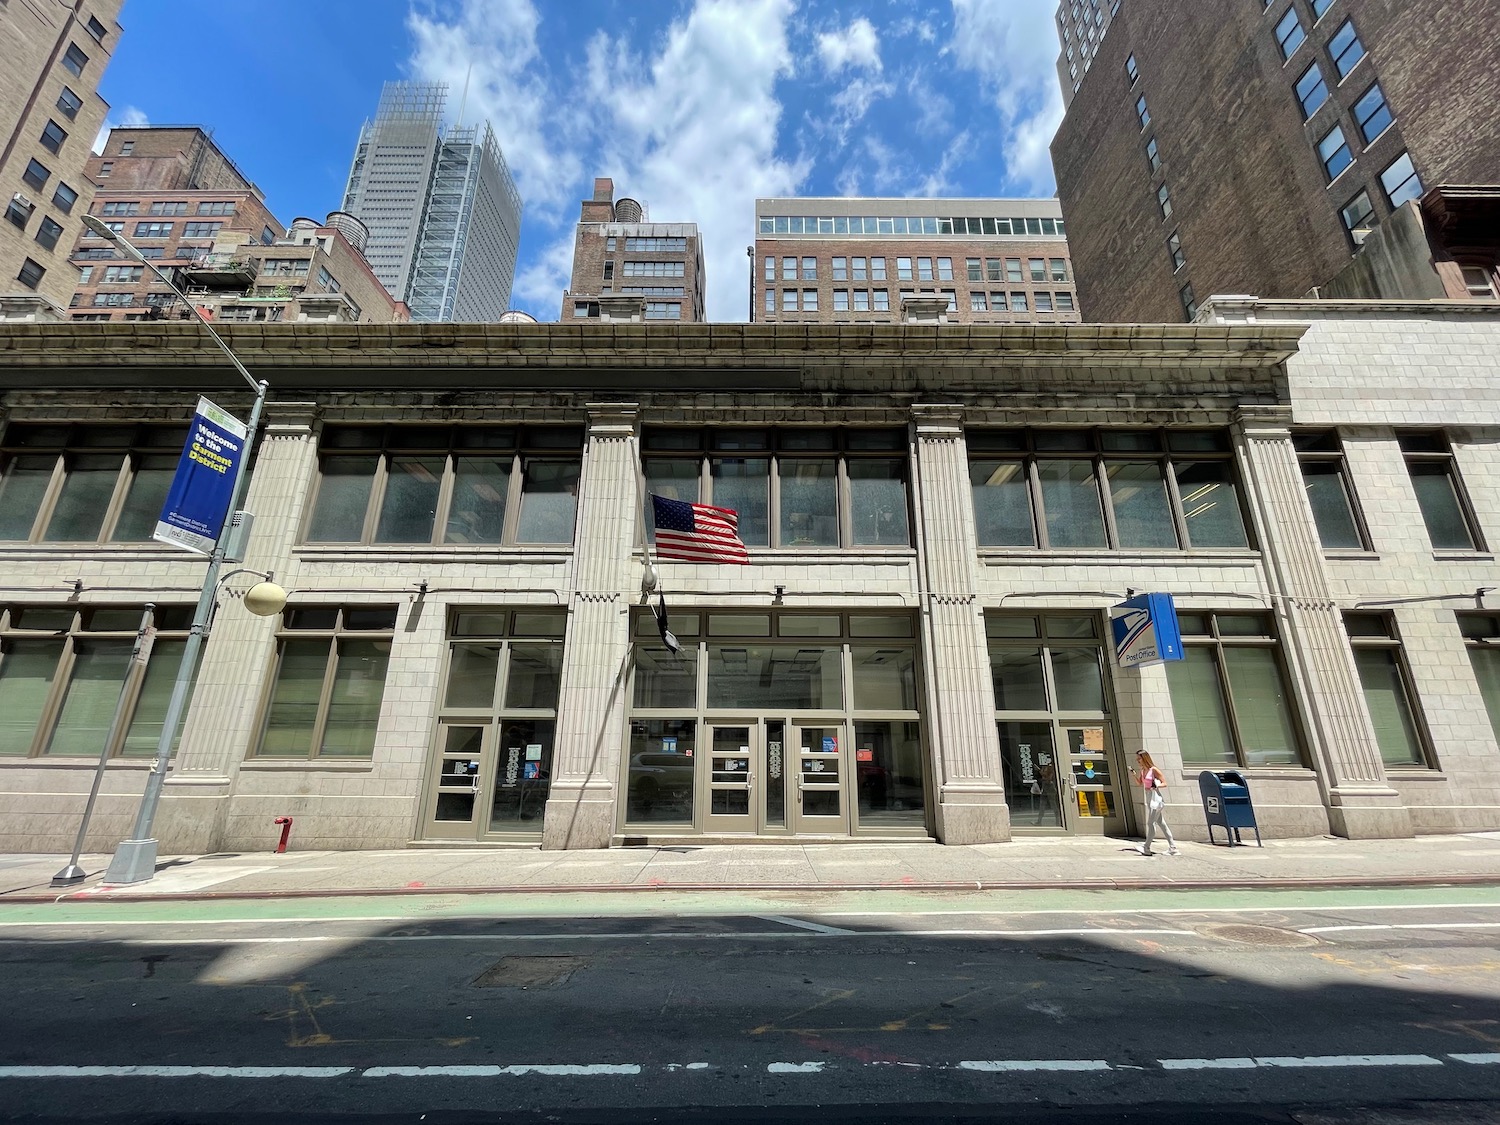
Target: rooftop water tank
627, 211
351, 227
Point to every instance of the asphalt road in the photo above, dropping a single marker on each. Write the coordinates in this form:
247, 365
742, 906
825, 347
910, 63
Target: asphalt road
1097, 1008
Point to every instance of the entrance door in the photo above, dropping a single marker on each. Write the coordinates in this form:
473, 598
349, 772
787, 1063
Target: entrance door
1096, 808
735, 753
821, 760
454, 806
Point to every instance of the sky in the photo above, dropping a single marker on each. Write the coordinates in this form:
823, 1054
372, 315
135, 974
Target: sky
694, 107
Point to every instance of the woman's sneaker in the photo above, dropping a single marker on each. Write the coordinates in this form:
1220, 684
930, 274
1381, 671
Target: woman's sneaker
1143, 850
1173, 850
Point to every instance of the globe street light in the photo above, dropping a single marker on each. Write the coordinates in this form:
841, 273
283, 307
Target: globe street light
134, 860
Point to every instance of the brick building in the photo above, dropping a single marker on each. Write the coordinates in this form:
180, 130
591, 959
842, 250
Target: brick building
1222, 147
51, 59
884, 261
626, 267
1081, 25
938, 522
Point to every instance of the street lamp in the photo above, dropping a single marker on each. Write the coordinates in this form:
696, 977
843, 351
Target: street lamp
134, 860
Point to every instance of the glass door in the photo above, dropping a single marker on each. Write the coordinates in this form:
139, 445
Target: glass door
820, 754
454, 807
733, 756
1095, 809
1034, 785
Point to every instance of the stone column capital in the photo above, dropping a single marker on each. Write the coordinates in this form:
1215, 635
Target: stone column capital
1265, 423
289, 419
938, 421
612, 420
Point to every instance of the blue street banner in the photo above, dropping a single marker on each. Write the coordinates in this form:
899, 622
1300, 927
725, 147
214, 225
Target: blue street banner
198, 501
1145, 630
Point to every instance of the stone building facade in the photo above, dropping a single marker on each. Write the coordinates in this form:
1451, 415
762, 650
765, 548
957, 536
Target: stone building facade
626, 267
1222, 147
938, 519
52, 57
903, 261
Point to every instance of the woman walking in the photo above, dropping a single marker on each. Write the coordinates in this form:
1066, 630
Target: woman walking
1152, 781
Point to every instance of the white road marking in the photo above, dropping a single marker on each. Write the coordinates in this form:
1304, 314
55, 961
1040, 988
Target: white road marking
1009, 1065
794, 1068
1478, 1060
802, 923
551, 1070
175, 1071
1348, 1060
1208, 1064
1403, 926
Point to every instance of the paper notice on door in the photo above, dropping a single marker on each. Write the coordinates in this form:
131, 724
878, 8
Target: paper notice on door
534, 752
1093, 739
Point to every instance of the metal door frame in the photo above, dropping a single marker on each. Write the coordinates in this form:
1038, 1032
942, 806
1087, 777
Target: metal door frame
483, 782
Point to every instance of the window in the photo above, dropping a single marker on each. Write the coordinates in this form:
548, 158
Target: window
1044, 302
1312, 92
1064, 302
770, 300
36, 174
18, 213
1358, 214
1131, 70
1115, 489
1479, 282
69, 103
1019, 302
674, 269
663, 310
62, 670
788, 269
122, 275
877, 269
105, 168
861, 300
74, 60
1383, 674
199, 230
1164, 201
793, 488
1059, 269
1229, 693
1481, 632
1400, 181
1319, 7
436, 484
809, 300
770, 268
120, 207
114, 300
1289, 33
841, 300
882, 299
1333, 150
840, 269
1189, 301
993, 268
283, 267
978, 303
788, 300
31, 273
153, 230
1141, 112
973, 269
1325, 478
329, 283
641, 245
945, 269
53, 136
903, 269
1038, 268
85, 484
216, 208
169, 207
127, 148
96, 29
47, 234
1345, 48
858, 270
1440, 495
329, 682
809, 269
1373, 115
64, 197
1013, 269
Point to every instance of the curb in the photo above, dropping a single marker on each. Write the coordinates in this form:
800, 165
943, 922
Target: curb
103, 895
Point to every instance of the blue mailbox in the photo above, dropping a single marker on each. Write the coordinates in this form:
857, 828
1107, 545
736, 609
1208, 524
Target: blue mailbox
1226, 803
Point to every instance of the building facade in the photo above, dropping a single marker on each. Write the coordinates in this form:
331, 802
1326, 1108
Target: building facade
938, 522
1081, 25
893, 261
52, 57
1228, 148
442, 210
628, 268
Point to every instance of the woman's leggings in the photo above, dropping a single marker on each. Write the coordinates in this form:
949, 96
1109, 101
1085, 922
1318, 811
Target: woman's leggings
1155, 820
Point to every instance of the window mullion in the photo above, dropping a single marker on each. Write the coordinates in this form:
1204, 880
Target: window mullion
117, 497
845, 501
52, 708
513, 490
1038, 508
49, 497
1106, 502
1179, 517
445, 497
377, 497
773, 505
325, 699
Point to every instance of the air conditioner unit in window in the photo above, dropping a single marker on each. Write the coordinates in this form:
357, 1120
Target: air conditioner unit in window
1359, 234
22, 200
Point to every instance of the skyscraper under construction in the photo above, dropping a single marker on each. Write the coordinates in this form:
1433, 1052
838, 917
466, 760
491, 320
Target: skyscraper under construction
443, 212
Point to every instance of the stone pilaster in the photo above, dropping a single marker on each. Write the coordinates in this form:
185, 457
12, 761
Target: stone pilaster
1361, 803
971, 805
591, 708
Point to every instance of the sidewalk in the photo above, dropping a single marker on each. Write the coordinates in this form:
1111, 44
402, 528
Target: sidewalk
1023, 864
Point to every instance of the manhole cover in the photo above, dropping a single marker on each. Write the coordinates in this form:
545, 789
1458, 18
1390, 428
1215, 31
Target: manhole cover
529, 972
1259, 935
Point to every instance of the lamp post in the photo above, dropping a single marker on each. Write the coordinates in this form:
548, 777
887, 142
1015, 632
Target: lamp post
134, 860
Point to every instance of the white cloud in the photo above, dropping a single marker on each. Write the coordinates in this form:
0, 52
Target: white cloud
1011, 45
128, 115
856, 45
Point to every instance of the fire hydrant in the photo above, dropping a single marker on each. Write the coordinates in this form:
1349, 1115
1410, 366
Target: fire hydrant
286, 831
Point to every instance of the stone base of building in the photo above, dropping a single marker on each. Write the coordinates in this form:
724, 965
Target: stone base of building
973, 815
1369, 814
579, 816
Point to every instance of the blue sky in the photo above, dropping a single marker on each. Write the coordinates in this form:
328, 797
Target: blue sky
695, 107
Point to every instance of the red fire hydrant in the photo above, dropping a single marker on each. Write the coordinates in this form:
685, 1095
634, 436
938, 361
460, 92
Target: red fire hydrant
286, 831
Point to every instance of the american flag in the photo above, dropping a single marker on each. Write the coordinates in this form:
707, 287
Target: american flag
697, 532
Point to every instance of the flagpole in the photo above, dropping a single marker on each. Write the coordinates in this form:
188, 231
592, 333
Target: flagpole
650, 580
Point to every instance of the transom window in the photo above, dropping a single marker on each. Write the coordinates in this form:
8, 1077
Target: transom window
62, 671
792, 488
1230, 695
328, 682
1105, 489
85, 484
491, 485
